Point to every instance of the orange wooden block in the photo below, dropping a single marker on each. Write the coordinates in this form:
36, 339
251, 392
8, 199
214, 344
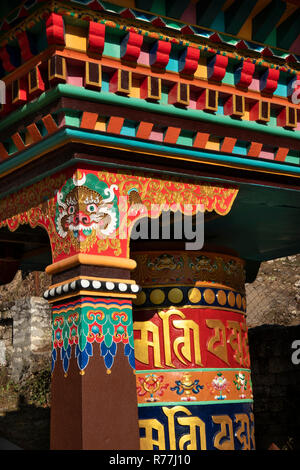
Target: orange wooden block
281, 154
88, 120
18, 141
200, 140
228, 144
171, 135
255, 149
50, 124
3, 153
144, 130
115, 124
34, 132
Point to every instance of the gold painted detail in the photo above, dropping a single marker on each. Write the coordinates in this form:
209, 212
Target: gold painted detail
185, 296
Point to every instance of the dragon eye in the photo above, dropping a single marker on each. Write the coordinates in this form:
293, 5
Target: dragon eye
92, 208
71, 210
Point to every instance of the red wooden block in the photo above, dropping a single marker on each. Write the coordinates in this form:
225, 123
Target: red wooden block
55, 29
4, 56
96, 37
269, 80
19, 91
260, 111
179, 94
160, 54
36, 84
150, 88
23, 41
208, 100
120, 82
287, 117
188, 62
131, 46
235, 106
216, 68
244, 74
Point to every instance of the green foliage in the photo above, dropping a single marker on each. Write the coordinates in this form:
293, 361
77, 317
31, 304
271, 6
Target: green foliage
36, 388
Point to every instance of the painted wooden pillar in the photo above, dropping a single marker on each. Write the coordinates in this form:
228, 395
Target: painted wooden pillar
93, 398
193, 369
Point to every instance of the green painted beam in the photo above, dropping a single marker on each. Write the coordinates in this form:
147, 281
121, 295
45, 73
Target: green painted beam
289, 30
237, 14
265, 21
207, 11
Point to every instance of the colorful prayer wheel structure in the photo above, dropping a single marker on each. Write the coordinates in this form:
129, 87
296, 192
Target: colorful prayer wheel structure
126, 127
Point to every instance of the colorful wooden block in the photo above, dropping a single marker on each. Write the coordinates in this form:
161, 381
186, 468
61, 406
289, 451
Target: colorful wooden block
260, 111
36, 84
244, 74
19, 91
131, 46
121, 82
216, 68
269, 80
208, 100
179, 94
160, 54
57, 70
287, 117
150, 88
235, 106
93, 78
24, 44
188, 61
96, 37
55, 29
171, 135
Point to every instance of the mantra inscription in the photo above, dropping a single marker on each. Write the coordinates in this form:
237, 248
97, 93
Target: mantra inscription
180, 428
176, 338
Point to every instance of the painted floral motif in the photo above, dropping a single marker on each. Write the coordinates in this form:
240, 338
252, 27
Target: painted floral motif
220, 385
103, 322
151, 385
187, 386
241, 383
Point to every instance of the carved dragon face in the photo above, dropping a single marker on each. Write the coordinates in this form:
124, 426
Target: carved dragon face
85, 214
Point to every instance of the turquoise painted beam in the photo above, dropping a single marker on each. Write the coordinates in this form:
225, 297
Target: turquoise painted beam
265, 21
129, 144
80, 93
207, 11
237, 14
289, 30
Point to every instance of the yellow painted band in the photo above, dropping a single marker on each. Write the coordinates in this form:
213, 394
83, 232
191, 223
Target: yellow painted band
94, 260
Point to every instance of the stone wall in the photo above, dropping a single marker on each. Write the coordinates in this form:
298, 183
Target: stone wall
276, 385
25, 335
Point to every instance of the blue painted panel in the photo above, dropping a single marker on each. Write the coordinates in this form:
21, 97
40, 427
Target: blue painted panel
197, 427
